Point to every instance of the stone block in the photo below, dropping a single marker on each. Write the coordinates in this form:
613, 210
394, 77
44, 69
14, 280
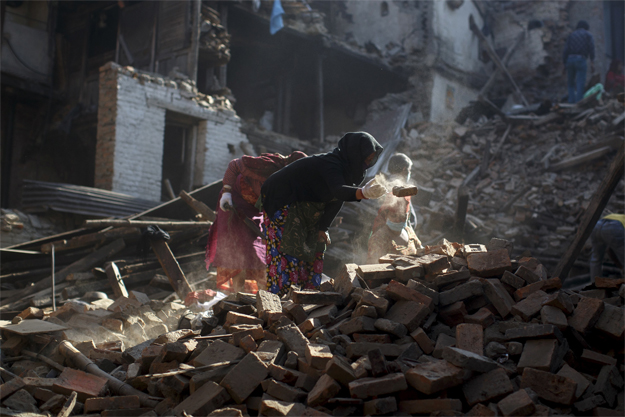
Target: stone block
484, 317
468, 360
218, 351
453, 314
512, 280
400, 292
431, 406
369, 298
460, 293
527, 274
435, 376
123, 402
470, 337
340, 370
204, 400
376, 387
555, 316
442, 342
388, 326
487, 387
425, 343
452, 278
317, 297
489, 264
380, 406
423, 289
284, 392
293, 339
529, 307
562, 301
611, 322
86, 385
409, 313
586, 314
267, 302
582, 383
243, 379
539, 354
549, 387
497, 294
318, 356
359, 324
517, 404
324, 389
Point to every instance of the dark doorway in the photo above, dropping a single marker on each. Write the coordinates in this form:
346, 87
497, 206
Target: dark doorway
179, 150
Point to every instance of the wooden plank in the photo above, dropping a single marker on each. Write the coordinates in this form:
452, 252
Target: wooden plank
93, 259
505, 61
27, 327
115, 280
171, 267
591, 215
92, 239
198, 206
493, 55
581, 159
144, 223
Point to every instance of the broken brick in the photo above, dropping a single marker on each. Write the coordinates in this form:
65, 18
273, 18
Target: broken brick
586, 314
324, 389
470, 337
487, 387
517, 404
432, 377
375, 387
549, 387
245, 377
489, 264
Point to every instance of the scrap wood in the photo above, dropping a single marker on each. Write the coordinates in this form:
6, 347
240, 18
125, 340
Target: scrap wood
117, 386
206, 212
173, 225
88, 262
92, 239
171, 267
69, 405
493, 55
45, 359
581, 159
591, 215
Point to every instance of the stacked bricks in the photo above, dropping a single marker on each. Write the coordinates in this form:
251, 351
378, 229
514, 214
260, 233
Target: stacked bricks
469, 339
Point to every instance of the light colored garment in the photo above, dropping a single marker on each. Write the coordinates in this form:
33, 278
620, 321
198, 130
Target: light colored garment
276, 23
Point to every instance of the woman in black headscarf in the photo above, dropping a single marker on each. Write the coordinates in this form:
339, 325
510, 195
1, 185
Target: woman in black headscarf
300, 202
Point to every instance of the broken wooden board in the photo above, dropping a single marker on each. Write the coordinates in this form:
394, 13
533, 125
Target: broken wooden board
35, 326
171, 267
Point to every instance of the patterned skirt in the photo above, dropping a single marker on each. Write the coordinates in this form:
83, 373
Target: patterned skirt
285, 270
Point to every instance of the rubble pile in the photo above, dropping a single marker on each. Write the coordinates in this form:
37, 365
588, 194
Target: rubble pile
459, 330
523, 175
214, 38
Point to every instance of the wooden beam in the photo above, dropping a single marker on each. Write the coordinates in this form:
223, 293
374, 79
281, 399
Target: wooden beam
144, 223
92, 239
115, 280
506, 59
93, 259
591, 215
493, 55
198, 206
581, 159
171, 267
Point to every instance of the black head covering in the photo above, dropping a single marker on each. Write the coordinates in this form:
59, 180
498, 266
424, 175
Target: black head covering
582, 24
353, 149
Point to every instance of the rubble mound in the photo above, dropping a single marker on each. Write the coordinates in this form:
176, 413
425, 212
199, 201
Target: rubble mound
457, 330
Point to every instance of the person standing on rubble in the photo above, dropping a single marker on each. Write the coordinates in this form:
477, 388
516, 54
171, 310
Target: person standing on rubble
300, 202
579, 46
233, 247
608, 235
392, 232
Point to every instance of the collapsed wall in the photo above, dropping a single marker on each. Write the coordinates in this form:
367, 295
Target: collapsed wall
131, 127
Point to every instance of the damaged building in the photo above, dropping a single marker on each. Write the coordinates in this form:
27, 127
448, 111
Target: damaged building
146, 98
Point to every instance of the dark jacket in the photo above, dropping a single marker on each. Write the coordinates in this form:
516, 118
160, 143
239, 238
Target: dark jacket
580, 43
330, 178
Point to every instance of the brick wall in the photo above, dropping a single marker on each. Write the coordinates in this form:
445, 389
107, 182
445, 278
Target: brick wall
131, 126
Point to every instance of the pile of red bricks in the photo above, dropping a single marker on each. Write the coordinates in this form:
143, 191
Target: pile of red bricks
459, 330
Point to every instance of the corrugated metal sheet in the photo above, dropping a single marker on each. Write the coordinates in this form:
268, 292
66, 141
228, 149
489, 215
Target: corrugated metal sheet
69, 198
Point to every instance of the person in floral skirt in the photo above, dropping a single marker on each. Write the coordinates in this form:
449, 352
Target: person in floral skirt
301, 200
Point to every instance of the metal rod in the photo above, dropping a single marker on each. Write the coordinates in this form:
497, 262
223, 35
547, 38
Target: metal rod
53, 283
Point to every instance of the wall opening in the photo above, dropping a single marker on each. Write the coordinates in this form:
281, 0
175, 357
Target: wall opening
179, 150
